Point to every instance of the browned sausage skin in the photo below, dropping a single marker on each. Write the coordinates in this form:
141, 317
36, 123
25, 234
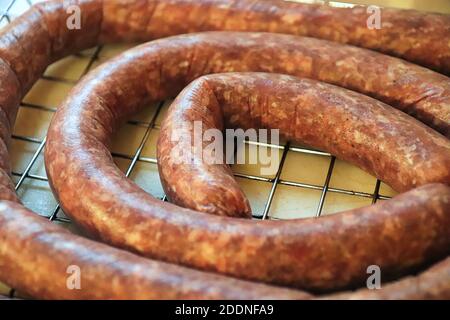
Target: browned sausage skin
108, 273
64, 41
78, 161
10, 96
36, 254
434, 283
385, 142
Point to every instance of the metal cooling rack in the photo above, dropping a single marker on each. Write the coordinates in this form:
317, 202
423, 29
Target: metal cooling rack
56, 213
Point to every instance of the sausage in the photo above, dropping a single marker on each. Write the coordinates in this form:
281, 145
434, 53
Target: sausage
57, 16
415, 36
412, 89
35, 239
9, 100
10, 93
385, 142
79, 166
426, 96
46, 249
36, 256
434, 283
25, 46
417, 91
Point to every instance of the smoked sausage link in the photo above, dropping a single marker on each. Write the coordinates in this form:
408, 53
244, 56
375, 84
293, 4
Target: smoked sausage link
385, 142
9, 100
38, 258
415, 36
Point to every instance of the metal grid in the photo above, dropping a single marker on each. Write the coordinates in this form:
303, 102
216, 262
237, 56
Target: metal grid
57, 215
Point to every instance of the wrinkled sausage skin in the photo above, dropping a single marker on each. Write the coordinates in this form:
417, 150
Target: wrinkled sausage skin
9, 100
56, 16
25, 46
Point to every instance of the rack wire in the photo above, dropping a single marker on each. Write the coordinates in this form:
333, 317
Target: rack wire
56, 214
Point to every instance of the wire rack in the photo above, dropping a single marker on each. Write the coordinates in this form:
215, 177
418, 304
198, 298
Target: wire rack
30, 176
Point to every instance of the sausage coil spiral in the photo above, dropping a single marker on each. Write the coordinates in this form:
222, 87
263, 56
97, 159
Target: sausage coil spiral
414, 158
